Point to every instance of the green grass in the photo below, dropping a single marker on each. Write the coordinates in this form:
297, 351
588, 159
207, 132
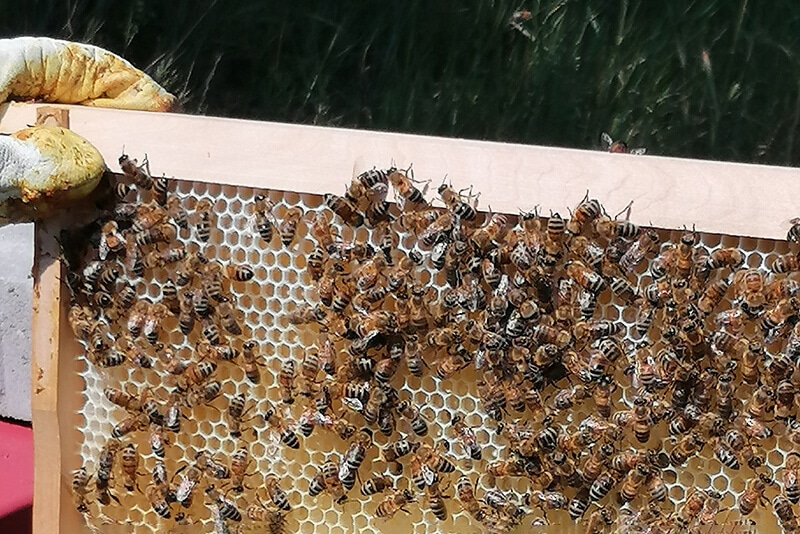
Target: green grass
458, 69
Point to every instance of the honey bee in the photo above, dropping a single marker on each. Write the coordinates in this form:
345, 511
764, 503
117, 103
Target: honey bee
761, 402
211, 467
585, 277
455, 202
687, 446
157, 497
749, 287
80, 487
111, 240
250, 362
712, 295
691, 508
281, 426
586, 212
785, 513
466, 436
412, 413
177, 213
790, 478
492, 231
195, 374
106, 463
354, 457
238, 468
130, 464
132, 423
152, 322
225, 508
377, 484
436, 502
408, 197
465, 492
203, 220
275, 519
753, 494
645, 244
344, 209
607, 144
633, 482
264, 219
235, 412
139, 174
288, 226
328, 479
579, 504
393, 503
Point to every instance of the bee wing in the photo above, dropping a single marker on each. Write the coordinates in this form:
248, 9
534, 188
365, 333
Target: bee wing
606, 141
638, 151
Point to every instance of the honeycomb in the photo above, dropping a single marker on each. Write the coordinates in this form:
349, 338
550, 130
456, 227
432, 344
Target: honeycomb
281, 284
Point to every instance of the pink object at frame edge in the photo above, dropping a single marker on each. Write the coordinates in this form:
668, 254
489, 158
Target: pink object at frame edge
16, 467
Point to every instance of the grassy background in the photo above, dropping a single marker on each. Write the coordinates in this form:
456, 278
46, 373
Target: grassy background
708, 79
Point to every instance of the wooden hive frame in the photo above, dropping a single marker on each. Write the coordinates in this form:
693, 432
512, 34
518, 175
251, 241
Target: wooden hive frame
733, 199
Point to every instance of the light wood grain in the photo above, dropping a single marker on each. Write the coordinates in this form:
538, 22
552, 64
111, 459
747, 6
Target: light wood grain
717, 197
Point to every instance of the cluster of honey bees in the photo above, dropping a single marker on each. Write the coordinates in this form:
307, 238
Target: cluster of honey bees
590, 420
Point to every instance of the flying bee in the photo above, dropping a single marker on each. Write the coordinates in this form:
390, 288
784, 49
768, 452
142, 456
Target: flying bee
203, 220
607, 144
393, 503
466, 436
139, 174
288, 226
344, 209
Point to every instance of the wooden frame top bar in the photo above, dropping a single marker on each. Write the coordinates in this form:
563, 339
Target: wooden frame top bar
717, 197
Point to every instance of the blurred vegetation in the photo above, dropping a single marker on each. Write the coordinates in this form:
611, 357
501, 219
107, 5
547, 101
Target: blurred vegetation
708, 79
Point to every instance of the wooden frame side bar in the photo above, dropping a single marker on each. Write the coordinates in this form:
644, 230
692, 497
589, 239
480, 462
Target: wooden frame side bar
718, 197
